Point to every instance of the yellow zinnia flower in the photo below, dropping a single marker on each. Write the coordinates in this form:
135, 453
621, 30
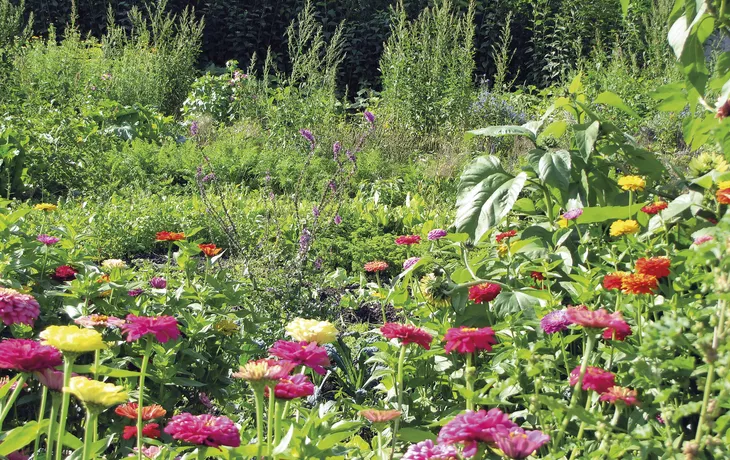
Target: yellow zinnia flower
632, 183
723, 185
73, 339
96, 393
624, 227
48, 207
311, 330
563, 222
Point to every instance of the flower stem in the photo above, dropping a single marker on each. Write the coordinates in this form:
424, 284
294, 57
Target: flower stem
631, 202
468, 374
258, 395
52, 426
590, 343
13, 396
140, 399
270, 422
710, 373
91, 418
45, 261
399, 390
202, 453
280, 410
68, 362
41, 416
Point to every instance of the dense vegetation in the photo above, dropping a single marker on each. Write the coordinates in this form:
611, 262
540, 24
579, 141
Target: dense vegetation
429, 231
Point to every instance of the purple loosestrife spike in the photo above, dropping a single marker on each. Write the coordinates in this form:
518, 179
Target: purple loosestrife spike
351, 156
333, 186
304, 241
336, 147
307, 134
315, 211
194, 128
369, 117
338, 219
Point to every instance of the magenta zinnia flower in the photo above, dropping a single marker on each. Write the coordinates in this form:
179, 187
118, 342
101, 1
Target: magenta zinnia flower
164, 328
48, 240
408, 263
407, 333
407, 240
135, 292
471, 427
204, 430
427, 450
485, 292
18, 308
598, 319
297, 386
64, 273
469, 339
158, 283
555, 321
51, 378
23, 355
518, 443
302, 354
434, 235
595, 379
703, 239
573, 214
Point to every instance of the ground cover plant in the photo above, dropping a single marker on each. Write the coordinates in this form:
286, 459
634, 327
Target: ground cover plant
249, 263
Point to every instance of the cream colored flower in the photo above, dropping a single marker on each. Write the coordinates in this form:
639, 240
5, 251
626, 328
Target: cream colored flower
111, 264
311, 330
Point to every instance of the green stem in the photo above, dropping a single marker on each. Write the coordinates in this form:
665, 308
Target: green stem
13, 396
548, 205
41, 416
581, 431
202, 453
45, 261
399, 390
68, 362
565, 359
52, 425
258, 395
639, 319
468, 374
270, 422
140, 399
280, 409
590, 343
631, 202
381, 454
91, 418
710, 373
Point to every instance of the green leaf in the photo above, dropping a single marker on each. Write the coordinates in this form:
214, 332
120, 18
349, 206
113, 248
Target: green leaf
414, 435
508, 130
514, 302
19, 437
554, 169
284, 443
585, 139
604, 213
625, 7
612, 99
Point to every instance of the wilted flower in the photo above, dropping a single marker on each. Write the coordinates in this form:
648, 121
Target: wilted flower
518, 443
23, 355
164, 328
434, 290
150, 430
302, 354
655, 266
620, 394
111, 264
505, 235
311, 330
376, 266
537, 276
638, 283
407, 240
595, 379
47, 207
95, 393
380, 416
654, 208
437, 234
555, 321
573, 214
264, 370
723, 110
427, 450
169, 236
73, 339
129, 410
407, 333
48, 240
408, 263
158, 282
471, 428
485, 292
469, 339
18, 308
225, 326
624, 227
632, 183
209, 249
64, 273
297, 386
204, 430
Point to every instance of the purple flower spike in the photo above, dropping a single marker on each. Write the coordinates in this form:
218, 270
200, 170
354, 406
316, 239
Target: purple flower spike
336, 147
315, 211
369, 117
338, 219
307, 134
194, 128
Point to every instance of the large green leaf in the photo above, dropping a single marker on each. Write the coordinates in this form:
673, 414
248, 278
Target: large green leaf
585, 139
554, 169
486, 194
612, 99
509, 130
514, 302
19, 437
604, 213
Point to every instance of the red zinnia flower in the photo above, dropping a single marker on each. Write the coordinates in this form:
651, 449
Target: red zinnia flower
508, 234
655, 266
380, 416
210, 249
164, 328
485, 292
469, 339
64, 273
129, 410
638, 283
622, 394
376, 266
654, 208
23, 355
614, 280
302, 354
595, 379
723, 196
18, 308
205, 430
471, 428
537, 276
407, 333
407, 240
169, 236
296, 386
151, 430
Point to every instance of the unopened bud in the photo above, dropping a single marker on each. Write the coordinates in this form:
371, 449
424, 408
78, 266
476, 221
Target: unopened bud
690, 449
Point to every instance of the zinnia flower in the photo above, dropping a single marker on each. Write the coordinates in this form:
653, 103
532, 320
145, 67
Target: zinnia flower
151, 430
408, 263
210, 249
638, 283
64, 273
73, 339
436, 234
376, 266
723, 196
655, 207
573, 214
485, 292
624, 227
18, 308
703, 239
555, 321
311, 330
99, 321
407, 240
598, 319
24, 355
632, 183
150, 452
204, 430
265, 370
595, 379
537, 276
407, 333
51, 378
164, 328
620, 394
302, 354
618, 330
135, 292
469, 339
614, 280
471, 428
518, 443
96, 393
158, 283
655, 266
169, 236
380, 416
6, 380
427, 450
508, 234
48, 240
129, 410
297, 386
111, 264
48, 207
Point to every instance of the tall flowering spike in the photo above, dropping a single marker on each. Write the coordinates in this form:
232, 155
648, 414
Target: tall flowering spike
23, 355
614, 280
307, 134
469, 339
129, 410
632, 183
73, 339
624, 227
654, 208
638, 283
471, 428
369, 117
407, 333
407, 240
505, 235
336, 147
311, 330
595, 379
518, 443
427, 450
555, 321
376, 266
485, 292
204, 430
64, 273
654, 266
164, 328
18, 308
302, 354
48, 240
297, 386
96, 393
621, 395
380, 416
437, 234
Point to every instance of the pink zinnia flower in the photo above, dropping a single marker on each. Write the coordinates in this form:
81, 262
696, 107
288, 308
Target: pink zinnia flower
99, 321
135, 292
407, 240
18, 308
408, 263
618, 330
164, 328
151, 430
469, 339
297, 386
149, 452
595, 379
48, 240
471, 428
407, 333
598, 319
51, 378
485, 292
302, 354
437, 234
204, 430
518, 443
573, 214
555, 321
23, 355
64, 273
427, 450
620, 394
703, 239
158, 283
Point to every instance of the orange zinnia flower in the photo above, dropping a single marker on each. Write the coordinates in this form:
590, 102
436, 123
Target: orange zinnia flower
723, 196
614, 280
129, 410
655, 266
639, 283
169, 236
380, 416
210, 249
